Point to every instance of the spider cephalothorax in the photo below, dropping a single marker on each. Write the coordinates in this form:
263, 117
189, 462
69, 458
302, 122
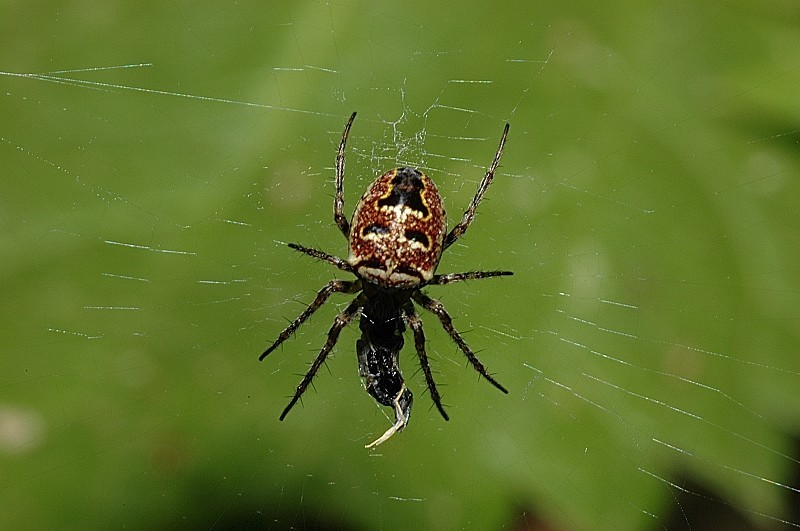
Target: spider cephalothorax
396, 237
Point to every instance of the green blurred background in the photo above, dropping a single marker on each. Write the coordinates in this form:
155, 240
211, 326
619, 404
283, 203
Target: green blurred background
647, 203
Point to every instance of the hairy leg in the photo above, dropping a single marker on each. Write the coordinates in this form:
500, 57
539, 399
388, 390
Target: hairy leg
322, 255
469, 215
333, 335
415, 323
434, 306
449, 278
338, 199
334, 286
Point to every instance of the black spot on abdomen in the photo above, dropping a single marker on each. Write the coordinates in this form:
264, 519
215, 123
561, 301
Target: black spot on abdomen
406, 190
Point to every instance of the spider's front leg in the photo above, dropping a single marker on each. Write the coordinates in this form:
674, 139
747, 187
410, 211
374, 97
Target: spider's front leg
414, 321
434, 306
333, 335
334, 286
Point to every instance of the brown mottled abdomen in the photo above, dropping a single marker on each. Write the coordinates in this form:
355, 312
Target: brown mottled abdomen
397, 230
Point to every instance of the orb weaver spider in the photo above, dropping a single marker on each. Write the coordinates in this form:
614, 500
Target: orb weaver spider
396, 238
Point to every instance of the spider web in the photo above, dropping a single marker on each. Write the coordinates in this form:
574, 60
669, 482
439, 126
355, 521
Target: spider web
648, 336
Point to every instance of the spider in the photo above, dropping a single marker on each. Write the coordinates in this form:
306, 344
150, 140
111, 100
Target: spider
396, 237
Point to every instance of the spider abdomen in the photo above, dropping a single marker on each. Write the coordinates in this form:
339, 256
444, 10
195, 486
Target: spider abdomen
398, 229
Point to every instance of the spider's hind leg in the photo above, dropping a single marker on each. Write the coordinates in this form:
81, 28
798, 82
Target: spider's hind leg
338, 199
469, 215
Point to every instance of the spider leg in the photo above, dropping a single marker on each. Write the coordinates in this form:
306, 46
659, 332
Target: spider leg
469, 215
322, 255
469, 275
434, 306
334, 286
333, 335
413, 320
338, 199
